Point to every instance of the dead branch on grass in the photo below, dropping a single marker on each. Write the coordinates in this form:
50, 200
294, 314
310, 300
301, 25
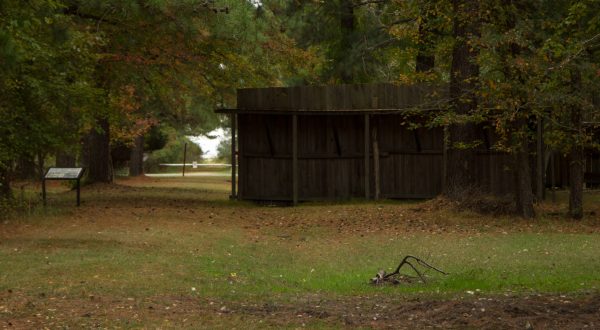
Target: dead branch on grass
382, 277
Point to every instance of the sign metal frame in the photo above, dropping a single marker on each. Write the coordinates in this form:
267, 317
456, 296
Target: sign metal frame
66, 175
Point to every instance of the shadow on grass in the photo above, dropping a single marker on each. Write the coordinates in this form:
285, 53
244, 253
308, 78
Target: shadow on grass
64, 243
118, 195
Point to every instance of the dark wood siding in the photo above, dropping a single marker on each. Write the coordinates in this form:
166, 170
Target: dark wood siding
410, 159
331, 144
331, 157
341, 97
265, 165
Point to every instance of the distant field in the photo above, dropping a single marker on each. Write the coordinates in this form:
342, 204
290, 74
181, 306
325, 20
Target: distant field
175, 252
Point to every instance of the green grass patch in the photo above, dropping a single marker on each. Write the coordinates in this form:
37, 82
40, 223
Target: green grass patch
150, 238
226, 264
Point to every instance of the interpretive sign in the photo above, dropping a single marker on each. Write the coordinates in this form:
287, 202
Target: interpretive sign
63, 173
56, 173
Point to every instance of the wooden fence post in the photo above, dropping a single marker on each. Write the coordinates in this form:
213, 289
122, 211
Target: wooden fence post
78, 192
367, 165
184, 158
376, 159
44, 190
233, 157
445, 158
552, 178
295, 159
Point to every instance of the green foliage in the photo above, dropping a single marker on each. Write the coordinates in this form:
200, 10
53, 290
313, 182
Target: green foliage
23, 202
380, 43
530, 52
46, 79
182, 59
64, 64
155, 139
224, 148
356, 51
573, 51
6, 207
144, 63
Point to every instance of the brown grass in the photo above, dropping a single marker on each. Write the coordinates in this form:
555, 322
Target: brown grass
184, 220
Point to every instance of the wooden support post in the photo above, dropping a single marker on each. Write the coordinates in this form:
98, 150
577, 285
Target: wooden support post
295, 160
444, 157
184, 158
539, 192
233, 157
78, 192
552, 179
367, 165
376, 159
44, 191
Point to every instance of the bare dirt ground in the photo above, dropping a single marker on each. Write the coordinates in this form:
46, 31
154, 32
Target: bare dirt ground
504, 312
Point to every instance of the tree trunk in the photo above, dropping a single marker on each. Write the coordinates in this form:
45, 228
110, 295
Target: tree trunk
425, 61
463, 84
98, 153
136, 161
64, 159
576, 158
347, 28
576, 182
523, 188
41, 165
539, 161
5, 191
25, 168
522, 171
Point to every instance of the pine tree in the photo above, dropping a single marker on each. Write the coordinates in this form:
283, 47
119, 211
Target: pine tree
464, 82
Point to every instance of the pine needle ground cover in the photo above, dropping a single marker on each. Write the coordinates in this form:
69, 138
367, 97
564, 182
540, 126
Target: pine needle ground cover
175, 252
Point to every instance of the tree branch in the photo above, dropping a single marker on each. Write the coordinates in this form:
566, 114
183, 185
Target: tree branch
367, 2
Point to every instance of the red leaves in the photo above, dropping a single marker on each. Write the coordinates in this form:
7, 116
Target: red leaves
131, 122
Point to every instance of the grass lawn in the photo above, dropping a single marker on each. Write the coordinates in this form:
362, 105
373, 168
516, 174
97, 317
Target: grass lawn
173, 252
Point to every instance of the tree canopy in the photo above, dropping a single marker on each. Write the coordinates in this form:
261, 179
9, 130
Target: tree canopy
77, 77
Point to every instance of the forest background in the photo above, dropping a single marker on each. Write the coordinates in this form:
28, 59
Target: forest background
84, 81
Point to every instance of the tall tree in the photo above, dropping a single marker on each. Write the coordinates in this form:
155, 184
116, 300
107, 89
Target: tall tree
511, 31
45, 82
140, 40
464, 78
576, 157
533, 53
175, 60
358, 41
425, 59
570, 55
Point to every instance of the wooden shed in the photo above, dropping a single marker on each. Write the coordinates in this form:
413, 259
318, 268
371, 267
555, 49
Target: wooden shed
346, 141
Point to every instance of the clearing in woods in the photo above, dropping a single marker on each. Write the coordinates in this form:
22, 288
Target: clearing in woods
176, 253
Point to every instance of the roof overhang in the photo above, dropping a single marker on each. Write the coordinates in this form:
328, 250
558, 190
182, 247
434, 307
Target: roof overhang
323, 112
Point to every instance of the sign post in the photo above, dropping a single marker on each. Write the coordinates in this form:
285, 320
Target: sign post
184, 158
63, 173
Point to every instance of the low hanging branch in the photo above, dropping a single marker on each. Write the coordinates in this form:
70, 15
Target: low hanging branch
382, 277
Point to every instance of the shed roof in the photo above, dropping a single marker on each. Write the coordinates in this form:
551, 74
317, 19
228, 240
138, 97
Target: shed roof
340, 99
